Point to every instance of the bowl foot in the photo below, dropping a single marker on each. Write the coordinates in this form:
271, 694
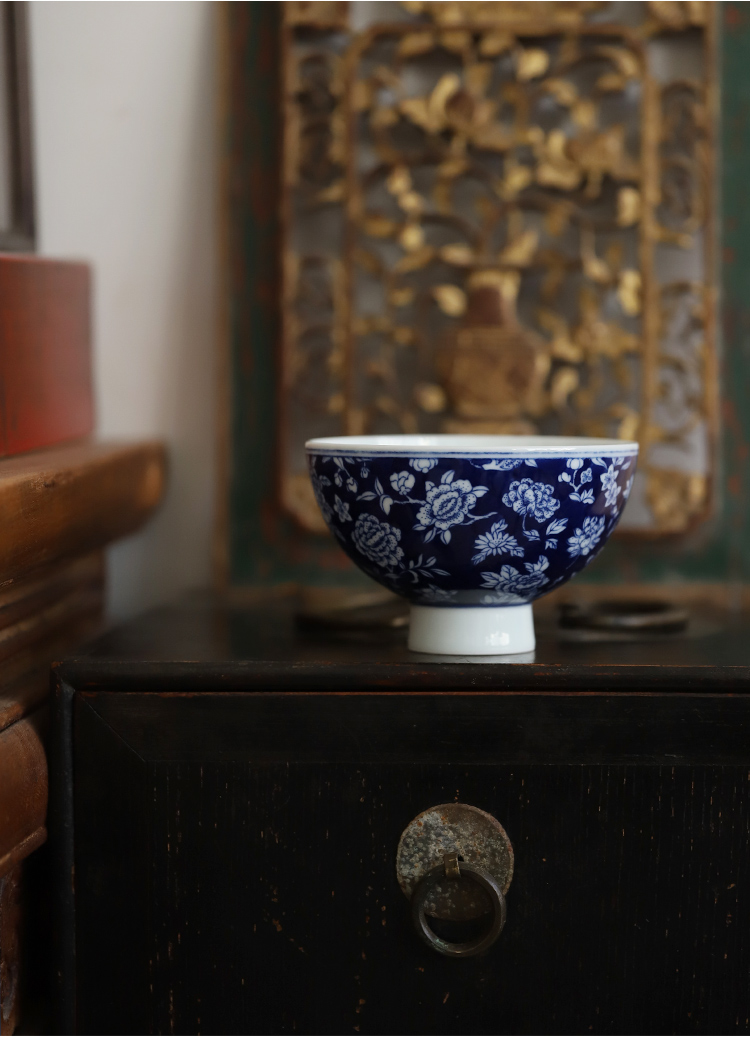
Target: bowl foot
472, 630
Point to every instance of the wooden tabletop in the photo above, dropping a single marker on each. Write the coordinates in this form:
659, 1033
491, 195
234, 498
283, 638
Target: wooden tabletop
206, 643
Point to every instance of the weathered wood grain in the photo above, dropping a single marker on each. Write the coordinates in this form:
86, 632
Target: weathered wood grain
230, 792
23, 789
74, 499
42, 616
261, 897
10, 949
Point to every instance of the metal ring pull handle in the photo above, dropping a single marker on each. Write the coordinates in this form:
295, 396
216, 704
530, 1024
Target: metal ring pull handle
453, 868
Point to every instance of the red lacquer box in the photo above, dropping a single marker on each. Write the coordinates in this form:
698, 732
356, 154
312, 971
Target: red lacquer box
45, 352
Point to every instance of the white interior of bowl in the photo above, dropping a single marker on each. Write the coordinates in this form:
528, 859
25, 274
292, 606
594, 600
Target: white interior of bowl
446, 444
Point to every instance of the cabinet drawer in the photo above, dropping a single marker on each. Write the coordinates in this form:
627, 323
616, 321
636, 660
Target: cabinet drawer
235, 865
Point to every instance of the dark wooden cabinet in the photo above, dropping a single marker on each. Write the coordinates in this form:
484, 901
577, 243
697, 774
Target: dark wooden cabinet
230, 792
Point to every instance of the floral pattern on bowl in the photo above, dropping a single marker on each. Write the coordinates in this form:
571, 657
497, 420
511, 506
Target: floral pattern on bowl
471, 530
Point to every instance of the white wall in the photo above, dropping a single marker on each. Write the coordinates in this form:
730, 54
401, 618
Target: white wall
124, 113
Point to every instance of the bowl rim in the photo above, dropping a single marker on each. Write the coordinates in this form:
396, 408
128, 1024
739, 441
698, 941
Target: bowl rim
446, 445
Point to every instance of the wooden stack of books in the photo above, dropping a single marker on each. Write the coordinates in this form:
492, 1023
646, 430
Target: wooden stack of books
63, 498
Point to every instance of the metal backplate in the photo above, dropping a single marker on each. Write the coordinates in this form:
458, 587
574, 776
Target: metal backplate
475, 836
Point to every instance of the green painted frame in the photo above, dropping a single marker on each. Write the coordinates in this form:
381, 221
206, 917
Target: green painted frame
257, 545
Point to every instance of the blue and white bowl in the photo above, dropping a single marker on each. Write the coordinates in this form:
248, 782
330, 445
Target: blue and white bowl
471, 529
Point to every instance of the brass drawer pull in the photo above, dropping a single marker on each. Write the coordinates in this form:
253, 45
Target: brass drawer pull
452, 868
454, 863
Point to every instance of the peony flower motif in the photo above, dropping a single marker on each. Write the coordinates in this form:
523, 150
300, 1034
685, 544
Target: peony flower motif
423, 465
532, 499
377, 540
574, 463
320, 481
342, 509
512, 585
610, 487
402, 482
496, 543
587, 537
448, 503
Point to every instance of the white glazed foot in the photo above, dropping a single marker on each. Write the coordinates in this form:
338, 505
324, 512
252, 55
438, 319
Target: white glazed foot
472, 630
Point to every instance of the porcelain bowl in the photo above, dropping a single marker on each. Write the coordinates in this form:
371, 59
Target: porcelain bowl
471, 529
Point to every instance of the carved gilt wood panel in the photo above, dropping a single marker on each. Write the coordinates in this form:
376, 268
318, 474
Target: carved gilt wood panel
497, 217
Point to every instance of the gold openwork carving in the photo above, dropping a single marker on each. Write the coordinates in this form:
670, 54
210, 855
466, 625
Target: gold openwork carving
497, 217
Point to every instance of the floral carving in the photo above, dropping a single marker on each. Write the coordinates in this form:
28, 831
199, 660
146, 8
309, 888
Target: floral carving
540, 149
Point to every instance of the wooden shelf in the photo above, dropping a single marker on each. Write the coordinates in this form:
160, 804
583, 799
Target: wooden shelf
59, 508
68, 501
